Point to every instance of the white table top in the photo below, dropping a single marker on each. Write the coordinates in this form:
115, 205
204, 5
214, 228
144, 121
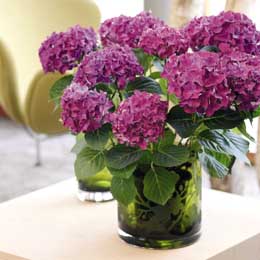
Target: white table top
51, 224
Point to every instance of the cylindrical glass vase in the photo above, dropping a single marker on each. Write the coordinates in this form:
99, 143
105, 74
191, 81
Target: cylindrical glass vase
176, 224
95, 188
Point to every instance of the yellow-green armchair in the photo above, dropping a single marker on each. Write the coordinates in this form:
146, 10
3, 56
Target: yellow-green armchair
23, 26
24, 88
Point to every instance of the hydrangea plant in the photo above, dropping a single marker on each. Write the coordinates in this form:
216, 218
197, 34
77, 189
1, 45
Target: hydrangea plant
155, 97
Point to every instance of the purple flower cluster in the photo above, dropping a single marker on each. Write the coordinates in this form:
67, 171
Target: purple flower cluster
113, 64
126, 30
140, 119
243, 74
228, 31
84, 110
163, 41
115, 30
63, 51
197, 79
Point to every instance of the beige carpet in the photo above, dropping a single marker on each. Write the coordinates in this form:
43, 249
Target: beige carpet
18, 175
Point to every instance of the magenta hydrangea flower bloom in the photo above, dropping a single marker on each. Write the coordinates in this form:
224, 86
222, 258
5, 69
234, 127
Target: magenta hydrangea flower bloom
63, 51
125, 30
84, 110
243, 74
197, 79
163, 41
114, 30
113, 64
140, 119
228, 31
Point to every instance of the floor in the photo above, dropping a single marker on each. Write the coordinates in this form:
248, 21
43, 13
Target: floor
18, 173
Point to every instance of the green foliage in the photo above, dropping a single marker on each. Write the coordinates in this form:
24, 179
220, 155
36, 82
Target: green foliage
256, 113
159, 184
183, 123
242, 130
105, 87
224, 142
119, 157
155, 75
124, 173
210, 48
143, 84
123, 189
164, 87
80, 144
167, 139
58, 87
88, 163
146, 158
218, 165
98, 139
227, 119
171, 155
144, 59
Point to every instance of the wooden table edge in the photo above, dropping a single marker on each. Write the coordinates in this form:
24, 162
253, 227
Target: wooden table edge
5, 256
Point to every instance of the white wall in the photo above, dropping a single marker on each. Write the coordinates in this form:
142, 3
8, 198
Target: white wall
159, 8
112, 8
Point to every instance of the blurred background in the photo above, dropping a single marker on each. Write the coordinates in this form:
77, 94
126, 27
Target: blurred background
34, 148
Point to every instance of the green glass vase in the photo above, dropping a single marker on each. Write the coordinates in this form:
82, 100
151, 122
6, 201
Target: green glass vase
176, 224
95, 188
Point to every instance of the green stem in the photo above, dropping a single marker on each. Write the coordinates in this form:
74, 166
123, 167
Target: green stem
120, 95
112, 141
152, 147
182, 213
142, 202
114, 94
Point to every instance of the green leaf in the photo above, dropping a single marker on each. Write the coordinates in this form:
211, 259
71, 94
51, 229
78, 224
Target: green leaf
80, 144
164, 87
210, 48
144, 59
57, 89
159, 185
104, 87
155, 75
99, 138
224, 120
171, 155
256, 112
225, 142
123, 190
120, 156
182, 122
143, 84
146, 158
242, 130
238, 145
88, 163
167, 139
124, 173
116, 100
218, 165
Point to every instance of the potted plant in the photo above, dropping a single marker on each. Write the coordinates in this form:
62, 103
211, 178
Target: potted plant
154, 104
62, 52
